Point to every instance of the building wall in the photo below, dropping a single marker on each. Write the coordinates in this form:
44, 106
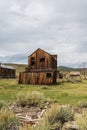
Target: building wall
7, 73
42, 69
45, 78
54, 62
41, 60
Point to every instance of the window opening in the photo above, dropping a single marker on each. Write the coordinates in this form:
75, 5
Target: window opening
48, 75
42, 59
32, 60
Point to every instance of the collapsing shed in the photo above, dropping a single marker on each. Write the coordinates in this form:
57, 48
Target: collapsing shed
42, 69
7, 71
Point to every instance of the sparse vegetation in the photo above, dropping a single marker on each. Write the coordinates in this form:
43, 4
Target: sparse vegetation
82, 121
31, 99
82, 104
63, 115
54, 118
63, 93
7, 119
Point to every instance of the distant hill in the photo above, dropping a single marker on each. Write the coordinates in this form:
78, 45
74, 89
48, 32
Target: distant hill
81, 70
64, 68
68, 69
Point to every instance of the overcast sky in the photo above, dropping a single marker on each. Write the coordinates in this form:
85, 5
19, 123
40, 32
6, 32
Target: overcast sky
57, 26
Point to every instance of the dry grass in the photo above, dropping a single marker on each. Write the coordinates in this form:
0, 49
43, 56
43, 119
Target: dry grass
7, 118
35, 99
81, 121
63, 93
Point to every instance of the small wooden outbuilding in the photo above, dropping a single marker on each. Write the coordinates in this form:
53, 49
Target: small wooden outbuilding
7, 71
42, 69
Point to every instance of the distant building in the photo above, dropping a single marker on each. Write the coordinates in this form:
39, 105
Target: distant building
7, 71
42, 69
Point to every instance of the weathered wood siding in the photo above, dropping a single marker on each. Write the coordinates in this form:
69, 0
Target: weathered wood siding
45, 78
7, 73
54, 62
41, 60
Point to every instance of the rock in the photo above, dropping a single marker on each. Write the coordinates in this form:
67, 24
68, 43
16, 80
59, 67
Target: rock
71, 125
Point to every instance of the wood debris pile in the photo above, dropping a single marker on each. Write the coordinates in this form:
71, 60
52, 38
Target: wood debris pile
29, 115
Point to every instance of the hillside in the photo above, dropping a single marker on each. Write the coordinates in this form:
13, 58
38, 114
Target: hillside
64, 68
68, 69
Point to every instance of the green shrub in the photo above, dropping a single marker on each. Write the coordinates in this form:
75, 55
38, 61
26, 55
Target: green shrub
7, 119
31, 99
63, 115
21, 99
55, 117
82, 104
38, 99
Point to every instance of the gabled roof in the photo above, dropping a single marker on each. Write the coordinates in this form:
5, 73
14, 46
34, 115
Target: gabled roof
41, 50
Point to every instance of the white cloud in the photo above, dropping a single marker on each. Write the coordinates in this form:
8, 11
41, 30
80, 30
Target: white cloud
54, 25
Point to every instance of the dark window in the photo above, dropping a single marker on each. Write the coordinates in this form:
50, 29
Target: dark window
32, 60
48, 75
42, 59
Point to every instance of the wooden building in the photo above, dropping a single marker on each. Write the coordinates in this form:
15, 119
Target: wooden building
42, 69
7, 71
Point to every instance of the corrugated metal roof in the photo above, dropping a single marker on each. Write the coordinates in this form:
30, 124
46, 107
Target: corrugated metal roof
8, 67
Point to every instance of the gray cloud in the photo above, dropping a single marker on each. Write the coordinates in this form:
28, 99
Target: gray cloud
56, 26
